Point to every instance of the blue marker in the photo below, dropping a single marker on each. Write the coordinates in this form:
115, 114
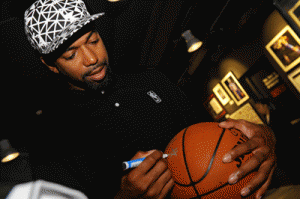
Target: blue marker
134, 163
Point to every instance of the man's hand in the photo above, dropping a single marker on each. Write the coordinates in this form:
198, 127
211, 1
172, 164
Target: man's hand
151, 179
262, 144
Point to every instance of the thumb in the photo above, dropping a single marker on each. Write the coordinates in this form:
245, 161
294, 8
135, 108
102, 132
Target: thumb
142, 154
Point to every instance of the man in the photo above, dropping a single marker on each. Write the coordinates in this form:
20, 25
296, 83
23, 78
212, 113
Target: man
118, 115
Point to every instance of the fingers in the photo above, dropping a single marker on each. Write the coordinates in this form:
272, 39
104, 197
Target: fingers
265, 186
259, 156
161, 186
141, 154
244, 126
264, 173
242, 149
149, 162
152, 177
166, 189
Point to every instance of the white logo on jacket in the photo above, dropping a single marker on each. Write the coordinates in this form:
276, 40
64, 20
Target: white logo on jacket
154, 96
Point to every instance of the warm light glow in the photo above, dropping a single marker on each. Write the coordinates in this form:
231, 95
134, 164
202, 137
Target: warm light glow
113, 0
10, 157
195, 47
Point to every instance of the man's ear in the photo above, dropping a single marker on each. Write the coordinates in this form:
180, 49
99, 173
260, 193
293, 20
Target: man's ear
52, 68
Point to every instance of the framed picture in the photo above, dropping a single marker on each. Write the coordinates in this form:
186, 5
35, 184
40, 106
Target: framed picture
294, 13
214, 108
294, 77
234, 88
285, 49
271, 80
221, 94
247, 113
290, 11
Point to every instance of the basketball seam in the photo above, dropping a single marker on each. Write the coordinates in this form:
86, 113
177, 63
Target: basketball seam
186, 165
207, 170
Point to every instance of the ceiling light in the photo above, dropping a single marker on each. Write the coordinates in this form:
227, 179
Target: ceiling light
7, 152
192, 42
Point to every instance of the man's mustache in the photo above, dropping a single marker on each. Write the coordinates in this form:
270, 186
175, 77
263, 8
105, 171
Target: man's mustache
101, 64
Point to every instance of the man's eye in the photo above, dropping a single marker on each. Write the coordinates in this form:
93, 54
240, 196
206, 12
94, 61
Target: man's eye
94, 42
71, 57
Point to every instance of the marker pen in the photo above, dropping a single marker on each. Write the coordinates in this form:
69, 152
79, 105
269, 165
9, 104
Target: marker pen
135, 163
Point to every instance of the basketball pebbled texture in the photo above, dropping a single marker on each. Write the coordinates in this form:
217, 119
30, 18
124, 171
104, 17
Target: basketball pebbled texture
197, 167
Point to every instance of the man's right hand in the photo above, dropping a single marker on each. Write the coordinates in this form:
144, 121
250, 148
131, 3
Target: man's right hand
151, 179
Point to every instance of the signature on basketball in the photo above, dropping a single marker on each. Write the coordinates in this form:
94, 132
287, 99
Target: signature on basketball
174, 152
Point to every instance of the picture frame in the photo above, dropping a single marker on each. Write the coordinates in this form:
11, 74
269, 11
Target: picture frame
221, 94
294, 13
248, 113
215, 109
294, 77
290, 11
285, 49
234, 88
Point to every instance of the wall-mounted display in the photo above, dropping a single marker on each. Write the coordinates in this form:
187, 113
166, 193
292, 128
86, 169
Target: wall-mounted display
294, 13
295, 78
290, 11
271, 80
247, 113
214, 108
221, 94
234, 88
285, 48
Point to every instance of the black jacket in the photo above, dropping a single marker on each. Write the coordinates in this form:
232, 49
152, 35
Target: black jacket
93, 133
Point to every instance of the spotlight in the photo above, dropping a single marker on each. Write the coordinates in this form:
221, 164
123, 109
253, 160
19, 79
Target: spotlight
7, 152
192, 42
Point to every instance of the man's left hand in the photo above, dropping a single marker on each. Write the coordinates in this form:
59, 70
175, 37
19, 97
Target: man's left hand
262, 144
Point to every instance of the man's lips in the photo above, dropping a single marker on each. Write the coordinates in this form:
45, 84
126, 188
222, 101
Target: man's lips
97, 74
97, 70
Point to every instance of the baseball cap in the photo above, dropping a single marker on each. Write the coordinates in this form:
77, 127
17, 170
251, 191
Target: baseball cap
49, 23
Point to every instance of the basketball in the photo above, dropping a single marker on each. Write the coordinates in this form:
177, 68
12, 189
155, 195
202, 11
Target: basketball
195, 160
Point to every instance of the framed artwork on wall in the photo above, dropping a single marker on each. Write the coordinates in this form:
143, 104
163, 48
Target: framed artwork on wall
285, 48
290, 11
221, 94
294, 13
214, 108
294, 77
234, 88
247, 113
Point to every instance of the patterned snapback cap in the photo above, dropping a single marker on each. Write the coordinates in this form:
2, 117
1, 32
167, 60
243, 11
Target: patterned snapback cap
48, 23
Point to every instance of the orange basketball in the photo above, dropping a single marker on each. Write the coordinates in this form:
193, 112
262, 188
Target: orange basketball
197, 167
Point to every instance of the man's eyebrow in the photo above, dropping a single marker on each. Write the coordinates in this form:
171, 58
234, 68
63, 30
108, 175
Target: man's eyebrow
87, 39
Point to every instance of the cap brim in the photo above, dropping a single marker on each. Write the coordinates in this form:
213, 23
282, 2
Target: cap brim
70, 30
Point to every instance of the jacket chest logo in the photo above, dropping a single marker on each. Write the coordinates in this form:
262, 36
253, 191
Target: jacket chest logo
154, 96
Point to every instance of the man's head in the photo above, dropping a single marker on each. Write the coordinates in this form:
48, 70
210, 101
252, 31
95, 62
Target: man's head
62, 32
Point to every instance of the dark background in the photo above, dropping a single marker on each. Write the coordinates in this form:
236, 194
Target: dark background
142, 34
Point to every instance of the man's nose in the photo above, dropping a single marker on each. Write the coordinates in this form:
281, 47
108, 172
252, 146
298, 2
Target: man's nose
89, 57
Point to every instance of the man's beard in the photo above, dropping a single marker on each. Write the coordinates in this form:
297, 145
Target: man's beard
89, 85
102, 84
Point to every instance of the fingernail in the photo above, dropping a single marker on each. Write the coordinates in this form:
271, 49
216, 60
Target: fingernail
151, 151
233, 178
245, 191
222, 123
227, 158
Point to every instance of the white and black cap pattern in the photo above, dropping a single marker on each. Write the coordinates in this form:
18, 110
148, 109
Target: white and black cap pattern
48, 23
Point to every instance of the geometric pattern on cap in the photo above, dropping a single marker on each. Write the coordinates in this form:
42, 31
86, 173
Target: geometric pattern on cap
48, 22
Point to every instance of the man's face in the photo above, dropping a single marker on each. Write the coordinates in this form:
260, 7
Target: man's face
85, 62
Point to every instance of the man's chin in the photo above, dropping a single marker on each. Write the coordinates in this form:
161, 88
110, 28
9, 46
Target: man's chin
99, 85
